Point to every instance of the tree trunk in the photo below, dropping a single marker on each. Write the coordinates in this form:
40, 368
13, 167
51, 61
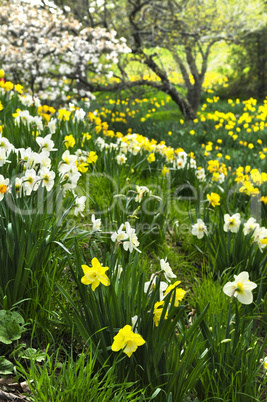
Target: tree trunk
194, 96
184, 105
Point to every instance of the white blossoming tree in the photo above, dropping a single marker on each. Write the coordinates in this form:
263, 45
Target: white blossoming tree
52, 54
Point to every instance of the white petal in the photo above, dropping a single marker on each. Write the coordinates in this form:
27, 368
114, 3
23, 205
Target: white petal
242, 277
249, 286
245, 297
229, 288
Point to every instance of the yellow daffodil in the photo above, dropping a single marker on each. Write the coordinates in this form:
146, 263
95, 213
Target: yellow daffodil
179, 293
214, 199
127, 340
264, 199
63, 114
82, 167
69, 141
92, 157
95, 275
19, 88
151, 158
165, 171
158, 308
8, 86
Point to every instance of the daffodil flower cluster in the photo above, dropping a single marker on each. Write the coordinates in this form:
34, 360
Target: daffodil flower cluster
166, 269
136, 144
126, 235
36, 167
178, 295
232, 224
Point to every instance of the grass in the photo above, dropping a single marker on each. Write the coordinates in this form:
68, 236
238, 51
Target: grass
76, 379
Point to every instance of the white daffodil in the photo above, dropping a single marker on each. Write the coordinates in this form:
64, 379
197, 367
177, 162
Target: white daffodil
37, 120
44, 159
231, 223
46, 143
132, 240
200, 174
120, 235
96, 223
79, 114
68, 159
6, 145
18, 186
264, 361
182, 155
3, 156
123, 147
24, 117
27, 156
259, 236
31, 181
241, 288
52, 125
100, 143
134, 323
152, 283
26, 100
3, 186
192, 163
165, 267
69, 175
221, 178
250, 225
199, 229
121, 159
180, 163
141, 190
48, 178
79, 205
119, 271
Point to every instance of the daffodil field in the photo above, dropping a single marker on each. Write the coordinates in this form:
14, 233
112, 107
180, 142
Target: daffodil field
133, 260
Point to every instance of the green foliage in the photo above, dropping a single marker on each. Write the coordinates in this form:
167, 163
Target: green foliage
218, 302
11, 326
76, 379
31, 252
235, 351
227, 250
6, 367
248, 64
98, 315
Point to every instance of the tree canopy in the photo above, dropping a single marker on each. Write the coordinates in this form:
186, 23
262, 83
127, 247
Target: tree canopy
79, 43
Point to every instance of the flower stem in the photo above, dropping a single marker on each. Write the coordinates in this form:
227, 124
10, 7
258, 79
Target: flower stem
228, 319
